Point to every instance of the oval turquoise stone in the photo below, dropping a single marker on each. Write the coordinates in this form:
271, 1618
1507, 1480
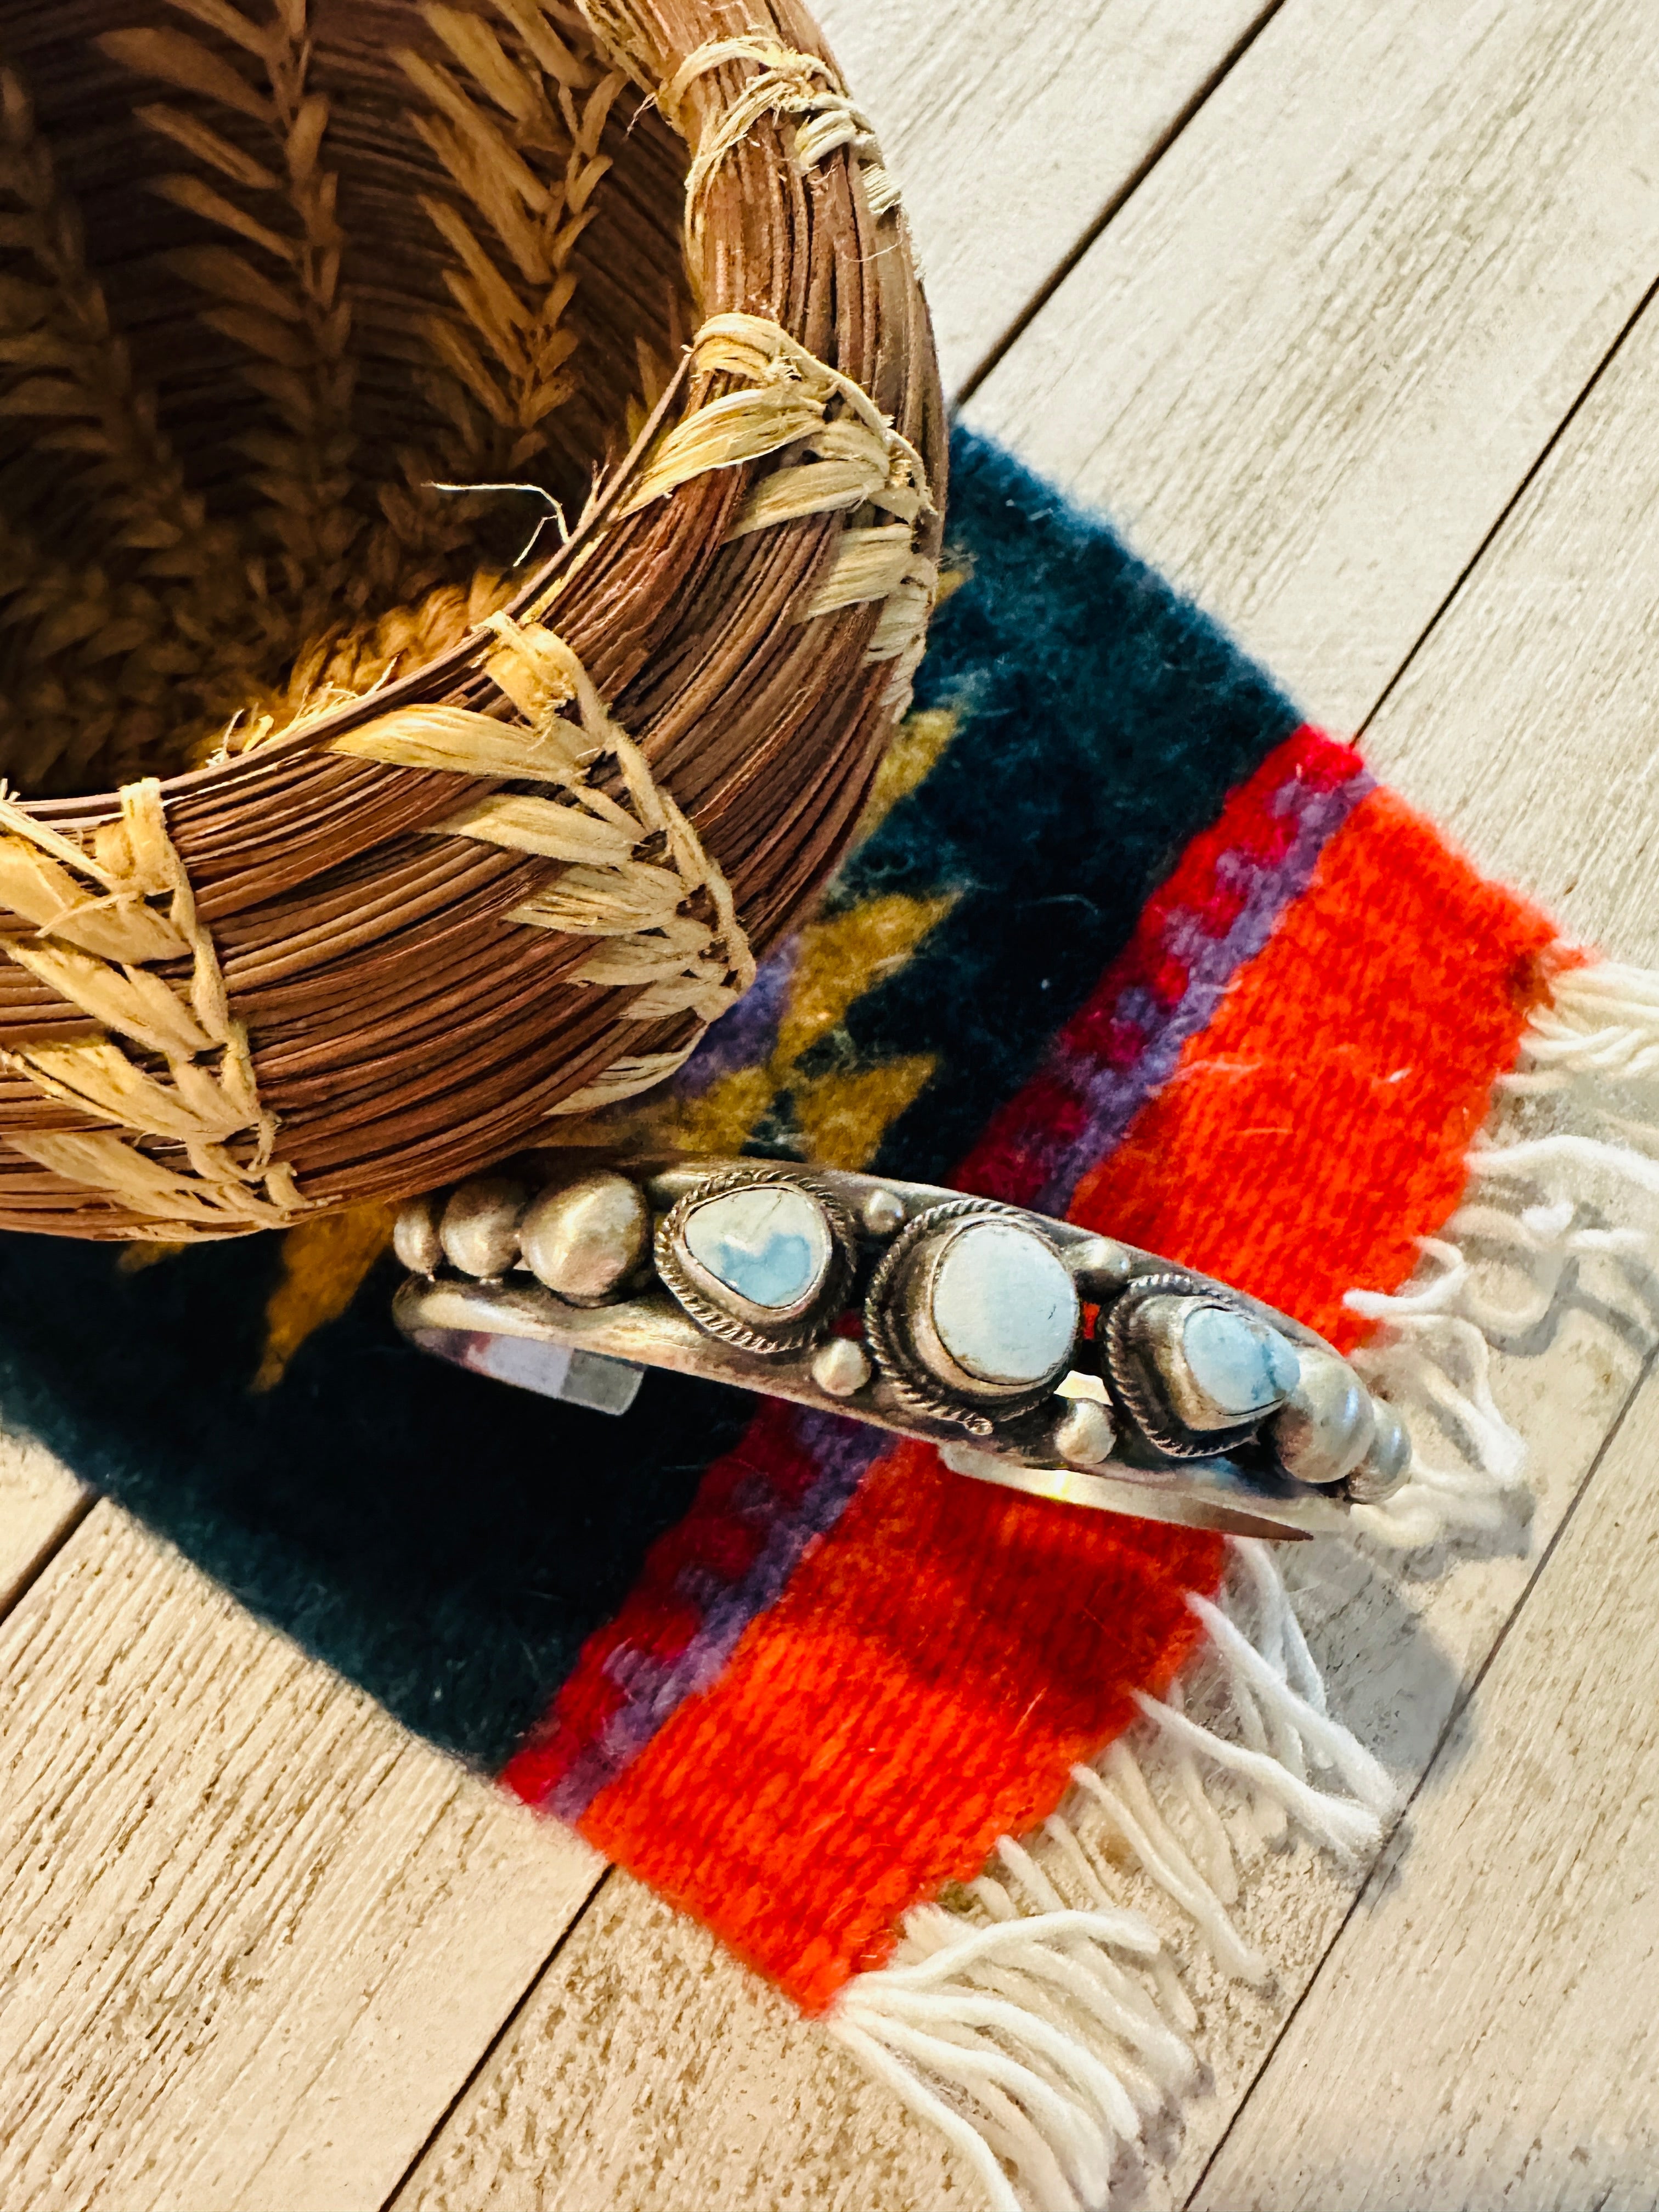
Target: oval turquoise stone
770, 1245
1004, 1306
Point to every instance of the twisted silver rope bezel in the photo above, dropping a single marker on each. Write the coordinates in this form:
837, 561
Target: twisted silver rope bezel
919, 1391
731, 1328
1130, 1392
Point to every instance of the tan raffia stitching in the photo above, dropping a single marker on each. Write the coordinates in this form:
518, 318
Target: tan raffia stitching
635, 875
285, 310
858, 460
509, 353
861, 456
789, 83
626, 1078
101, 917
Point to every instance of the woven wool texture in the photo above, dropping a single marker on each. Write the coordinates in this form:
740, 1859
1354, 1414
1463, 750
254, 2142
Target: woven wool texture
1124, 940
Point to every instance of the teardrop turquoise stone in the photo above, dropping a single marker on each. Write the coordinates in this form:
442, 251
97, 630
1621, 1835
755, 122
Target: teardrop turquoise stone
1240, 1363
770, 1244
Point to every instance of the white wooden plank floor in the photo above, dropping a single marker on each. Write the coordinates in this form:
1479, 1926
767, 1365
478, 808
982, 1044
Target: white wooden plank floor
1339, 306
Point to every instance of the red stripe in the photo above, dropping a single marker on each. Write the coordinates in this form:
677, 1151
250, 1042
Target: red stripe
719, 1535
1318, 1126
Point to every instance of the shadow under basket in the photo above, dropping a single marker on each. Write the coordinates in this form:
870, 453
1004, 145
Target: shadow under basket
346, 836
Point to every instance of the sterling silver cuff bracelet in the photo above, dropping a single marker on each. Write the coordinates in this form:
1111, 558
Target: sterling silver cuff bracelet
1034, 1353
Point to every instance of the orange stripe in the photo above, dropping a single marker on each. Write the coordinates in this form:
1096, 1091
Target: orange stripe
1320, 1122
942, 1657
923, 1686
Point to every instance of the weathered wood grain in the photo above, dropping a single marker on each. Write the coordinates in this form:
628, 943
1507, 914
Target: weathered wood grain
1550, 656
39, 1502
1315, 354
1318, 349
650, 2070
255, 1936
1013, 124
1484, 2033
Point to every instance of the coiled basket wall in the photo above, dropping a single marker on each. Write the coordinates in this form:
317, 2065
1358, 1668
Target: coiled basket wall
344, 842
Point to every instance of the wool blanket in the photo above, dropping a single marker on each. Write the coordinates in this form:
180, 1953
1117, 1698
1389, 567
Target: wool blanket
1122, 939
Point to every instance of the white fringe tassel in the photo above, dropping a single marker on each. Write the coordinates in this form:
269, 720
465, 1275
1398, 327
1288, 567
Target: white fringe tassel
1040, 2037
1040, 2027
1598, 1036
1601, 1022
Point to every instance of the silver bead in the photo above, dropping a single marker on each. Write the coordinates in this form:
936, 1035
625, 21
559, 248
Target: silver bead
883, 1213
1085, 1437
479, 1230
1325, 1427
584, 1239
841, 1367
1100, 1265
415, 1238
1387, 1464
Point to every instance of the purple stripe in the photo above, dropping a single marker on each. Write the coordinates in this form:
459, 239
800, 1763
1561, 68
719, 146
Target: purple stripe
655, 1689
1111, 1095
747, 1037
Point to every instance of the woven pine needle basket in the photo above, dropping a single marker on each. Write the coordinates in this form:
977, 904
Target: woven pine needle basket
343, 842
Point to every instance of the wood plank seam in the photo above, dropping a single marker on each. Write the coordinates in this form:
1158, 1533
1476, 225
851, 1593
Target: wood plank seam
13, 1592
1348, 308
230, 1874
510, 2024
1113, 205
1627, 330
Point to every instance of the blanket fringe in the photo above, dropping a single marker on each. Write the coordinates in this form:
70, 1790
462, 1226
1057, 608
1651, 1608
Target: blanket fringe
1587, 1053
1039, 2022
1036, 2020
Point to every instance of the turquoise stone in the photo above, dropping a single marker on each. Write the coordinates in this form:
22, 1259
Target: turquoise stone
1003, 1307
1242, 1367
770, 1245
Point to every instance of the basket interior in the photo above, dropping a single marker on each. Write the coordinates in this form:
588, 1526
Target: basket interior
269, 272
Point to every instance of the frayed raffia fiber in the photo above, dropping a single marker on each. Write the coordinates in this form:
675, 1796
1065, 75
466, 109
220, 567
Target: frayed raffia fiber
428, 952
852, 458
1041, 2021
789, 83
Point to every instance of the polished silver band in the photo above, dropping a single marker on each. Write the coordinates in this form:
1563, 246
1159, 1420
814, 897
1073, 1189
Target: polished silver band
1035, 1353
